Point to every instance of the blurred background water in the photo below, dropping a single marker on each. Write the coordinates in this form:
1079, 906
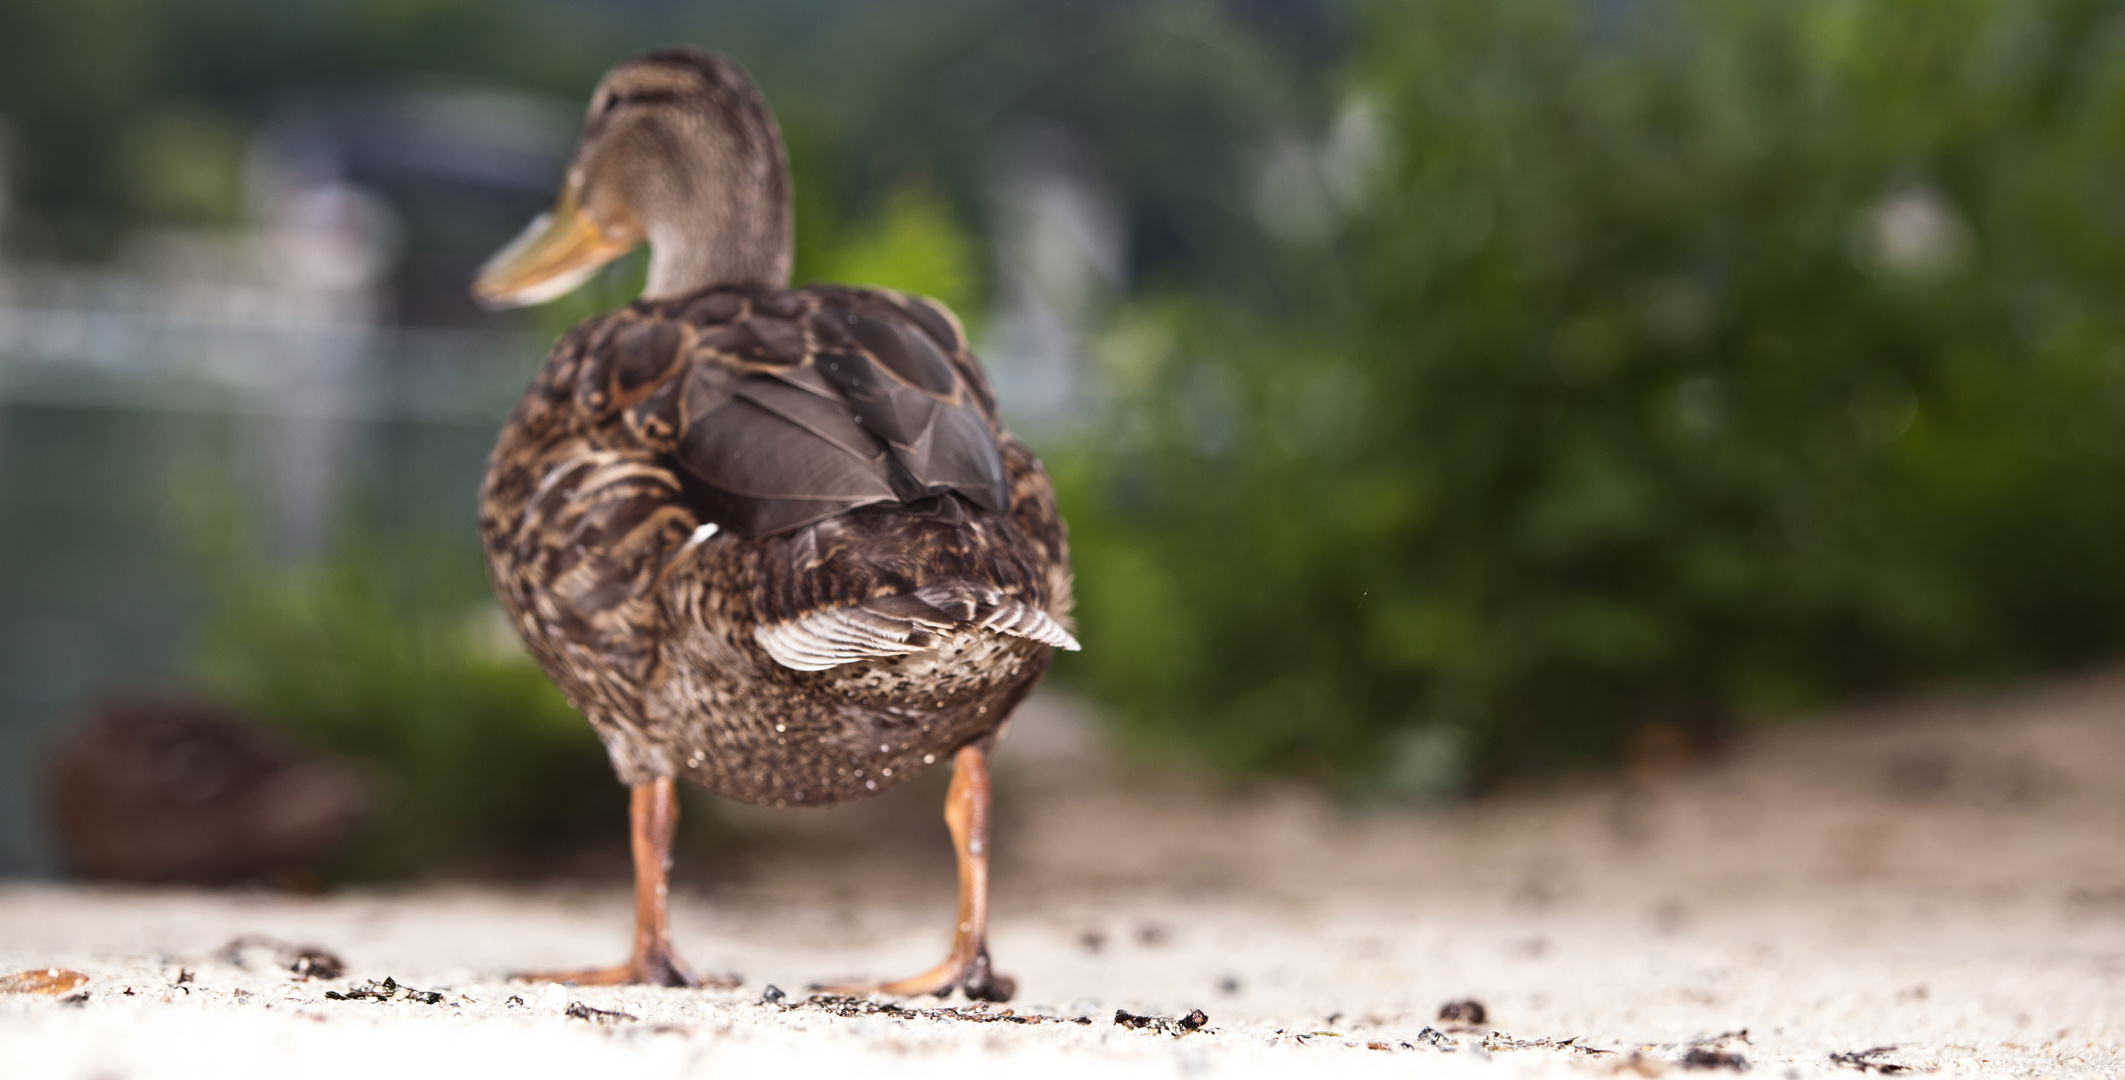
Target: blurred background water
1442, 395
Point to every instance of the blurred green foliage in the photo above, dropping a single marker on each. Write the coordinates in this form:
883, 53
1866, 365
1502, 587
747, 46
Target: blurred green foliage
914, 245
1681, 364
185, 164
389, 653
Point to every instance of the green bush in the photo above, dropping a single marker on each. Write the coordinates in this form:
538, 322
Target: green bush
1683, 364
393, 656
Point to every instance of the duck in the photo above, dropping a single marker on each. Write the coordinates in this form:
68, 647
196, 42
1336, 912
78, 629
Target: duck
773, 542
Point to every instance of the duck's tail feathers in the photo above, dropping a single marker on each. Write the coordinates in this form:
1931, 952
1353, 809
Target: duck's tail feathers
905, 623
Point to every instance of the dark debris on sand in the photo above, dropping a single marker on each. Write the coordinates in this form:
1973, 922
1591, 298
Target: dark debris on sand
306, 961
1865, 1060
385, 991
1464, 1014
977, 1013
1195, 1021
1498, 1040
576, 1010
1704, 1057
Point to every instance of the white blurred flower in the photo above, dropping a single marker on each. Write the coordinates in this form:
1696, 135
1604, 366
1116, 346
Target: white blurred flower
1290, 200
1302, 190
1914, 230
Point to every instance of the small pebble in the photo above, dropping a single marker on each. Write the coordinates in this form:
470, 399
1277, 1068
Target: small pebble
47, 982
553, 998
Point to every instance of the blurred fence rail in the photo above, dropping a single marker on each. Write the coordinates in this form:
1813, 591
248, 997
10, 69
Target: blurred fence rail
91, 337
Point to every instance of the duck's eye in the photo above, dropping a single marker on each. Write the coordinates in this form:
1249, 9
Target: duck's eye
639, 97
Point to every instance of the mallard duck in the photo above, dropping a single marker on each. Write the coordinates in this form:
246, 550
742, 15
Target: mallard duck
770, 541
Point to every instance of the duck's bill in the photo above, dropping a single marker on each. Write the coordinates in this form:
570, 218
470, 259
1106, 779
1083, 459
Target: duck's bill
558, 251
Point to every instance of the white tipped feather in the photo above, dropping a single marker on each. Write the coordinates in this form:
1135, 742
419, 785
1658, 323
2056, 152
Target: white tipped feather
700, 536
1030, 622
845, 635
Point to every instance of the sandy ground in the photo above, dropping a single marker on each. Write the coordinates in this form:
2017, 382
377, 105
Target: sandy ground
1935, 886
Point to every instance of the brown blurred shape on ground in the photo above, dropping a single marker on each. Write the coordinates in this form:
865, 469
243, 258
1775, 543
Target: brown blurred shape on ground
157, 790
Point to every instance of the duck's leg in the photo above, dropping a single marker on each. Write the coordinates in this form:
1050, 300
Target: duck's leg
653, 811
966, 966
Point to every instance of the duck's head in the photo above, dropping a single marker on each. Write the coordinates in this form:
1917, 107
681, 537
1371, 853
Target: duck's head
678, 151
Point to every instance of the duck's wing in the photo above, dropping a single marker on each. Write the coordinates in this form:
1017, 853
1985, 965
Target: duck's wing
850, 438
780, 409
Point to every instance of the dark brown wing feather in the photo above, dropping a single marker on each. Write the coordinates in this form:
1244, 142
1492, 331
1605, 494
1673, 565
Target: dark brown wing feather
793, 407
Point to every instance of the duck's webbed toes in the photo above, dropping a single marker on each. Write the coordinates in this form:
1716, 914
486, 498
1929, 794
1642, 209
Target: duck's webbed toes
971, 974
982, 983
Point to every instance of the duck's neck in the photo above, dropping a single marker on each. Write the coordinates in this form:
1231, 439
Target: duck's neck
736, 233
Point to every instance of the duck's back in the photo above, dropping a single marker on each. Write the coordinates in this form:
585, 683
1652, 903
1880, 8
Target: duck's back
776, 541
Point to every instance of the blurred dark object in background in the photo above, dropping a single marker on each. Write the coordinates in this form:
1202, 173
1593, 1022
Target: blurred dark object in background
151, 790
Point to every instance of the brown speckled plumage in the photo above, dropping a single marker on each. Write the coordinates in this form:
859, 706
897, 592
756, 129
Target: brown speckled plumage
603, 476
